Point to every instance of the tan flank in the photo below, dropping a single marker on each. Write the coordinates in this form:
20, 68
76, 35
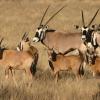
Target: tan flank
61, 62
17, 60
13, 59
95, 66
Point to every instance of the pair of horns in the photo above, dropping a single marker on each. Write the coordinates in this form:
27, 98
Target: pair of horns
51, 16
24, 36
83, 22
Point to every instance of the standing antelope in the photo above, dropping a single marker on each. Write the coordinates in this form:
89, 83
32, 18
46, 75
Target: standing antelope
59, 41
90, 36
25, 45
16, 60
61, 62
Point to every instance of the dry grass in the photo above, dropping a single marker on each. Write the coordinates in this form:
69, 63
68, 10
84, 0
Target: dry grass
43, 87
19, 16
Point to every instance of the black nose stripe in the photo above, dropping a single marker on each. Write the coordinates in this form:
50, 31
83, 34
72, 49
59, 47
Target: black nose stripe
37, 34
84, 32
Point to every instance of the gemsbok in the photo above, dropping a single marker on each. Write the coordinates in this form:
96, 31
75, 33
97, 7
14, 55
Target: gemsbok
59, 41
61, 62
90, 35
16, 60
25, 45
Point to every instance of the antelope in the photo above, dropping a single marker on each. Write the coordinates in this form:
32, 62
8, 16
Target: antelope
93, 61
16, 60
90, 35
96, 67
61, 62
25, 45
59, 41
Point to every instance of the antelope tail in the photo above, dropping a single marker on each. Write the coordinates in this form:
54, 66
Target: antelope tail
51, 65
34, 63
81, 69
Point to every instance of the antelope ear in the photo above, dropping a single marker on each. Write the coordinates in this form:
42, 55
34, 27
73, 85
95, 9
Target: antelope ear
96, 27
76, 26
93, 26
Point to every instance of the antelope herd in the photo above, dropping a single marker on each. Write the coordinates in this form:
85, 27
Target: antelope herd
60, 48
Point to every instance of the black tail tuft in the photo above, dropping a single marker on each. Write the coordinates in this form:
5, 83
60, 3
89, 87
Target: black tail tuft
33, 69
81, 70
51, 65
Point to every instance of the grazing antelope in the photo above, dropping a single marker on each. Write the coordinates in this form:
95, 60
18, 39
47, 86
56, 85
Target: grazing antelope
59, 41
16, 60
61, 62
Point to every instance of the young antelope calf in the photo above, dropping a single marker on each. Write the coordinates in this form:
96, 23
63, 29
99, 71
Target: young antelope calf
61, 62
13, 59
25, 45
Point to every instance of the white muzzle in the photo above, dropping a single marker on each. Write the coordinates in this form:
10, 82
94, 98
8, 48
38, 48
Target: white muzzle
35, 39
83, 37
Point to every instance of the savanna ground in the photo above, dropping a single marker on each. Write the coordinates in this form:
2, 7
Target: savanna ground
19, 16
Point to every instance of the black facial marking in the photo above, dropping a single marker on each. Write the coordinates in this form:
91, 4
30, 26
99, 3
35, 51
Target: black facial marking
51, 65
53, 56
1, 52
88, 35
37, 34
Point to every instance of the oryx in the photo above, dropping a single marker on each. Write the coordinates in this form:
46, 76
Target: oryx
59, 41
16, 60
25, 45
61, 62
88, 35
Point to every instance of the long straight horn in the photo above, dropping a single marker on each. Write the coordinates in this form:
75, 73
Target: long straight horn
1, 41
44, 15
23, 37
93, 17
54, 15
83, 22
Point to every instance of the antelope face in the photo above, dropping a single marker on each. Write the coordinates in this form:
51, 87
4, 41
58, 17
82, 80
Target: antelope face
86, 30
87, 36
40, 33
85, 33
